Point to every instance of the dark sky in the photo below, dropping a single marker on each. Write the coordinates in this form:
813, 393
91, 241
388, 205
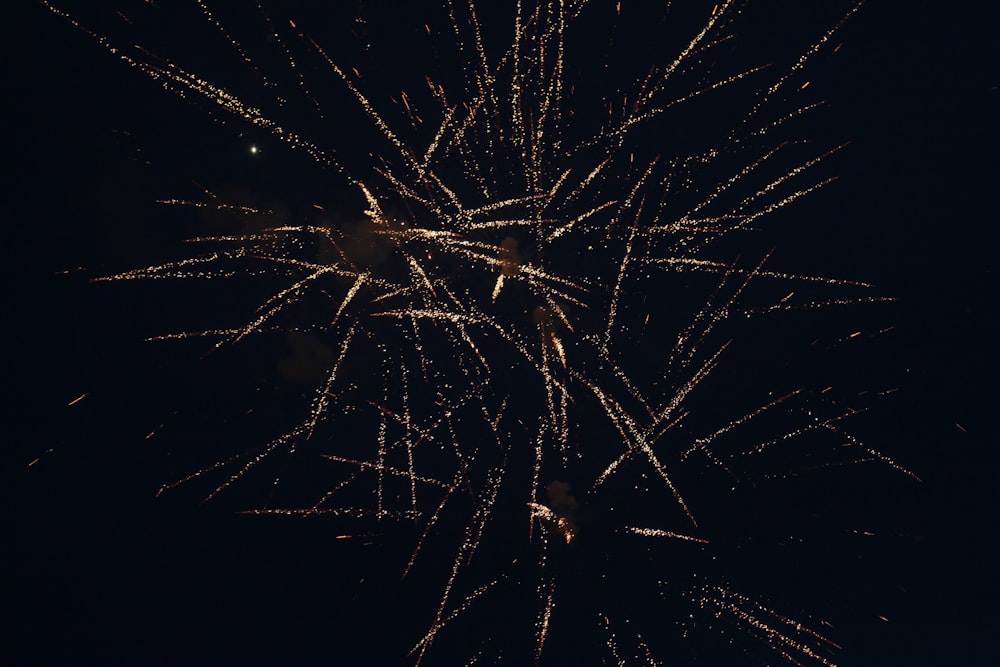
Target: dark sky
97, 569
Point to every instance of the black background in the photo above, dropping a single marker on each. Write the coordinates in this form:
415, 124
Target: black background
96, 569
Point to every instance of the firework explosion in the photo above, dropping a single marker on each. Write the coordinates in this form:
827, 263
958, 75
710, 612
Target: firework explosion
514, 341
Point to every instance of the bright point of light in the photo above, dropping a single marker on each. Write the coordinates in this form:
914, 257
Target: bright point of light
254, 150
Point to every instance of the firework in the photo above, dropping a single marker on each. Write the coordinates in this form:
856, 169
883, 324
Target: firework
513, 306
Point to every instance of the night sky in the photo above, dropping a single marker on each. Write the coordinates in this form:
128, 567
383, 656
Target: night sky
98, 569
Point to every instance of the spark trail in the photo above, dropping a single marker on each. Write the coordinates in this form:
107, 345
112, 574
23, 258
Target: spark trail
501, 289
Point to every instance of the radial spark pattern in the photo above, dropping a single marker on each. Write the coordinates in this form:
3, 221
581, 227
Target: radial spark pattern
515, 337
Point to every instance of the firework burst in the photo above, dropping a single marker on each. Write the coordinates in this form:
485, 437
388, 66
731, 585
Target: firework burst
514, 340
